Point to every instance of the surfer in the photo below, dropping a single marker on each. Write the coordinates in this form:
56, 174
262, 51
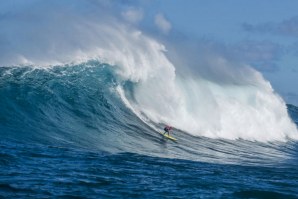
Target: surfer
167, 129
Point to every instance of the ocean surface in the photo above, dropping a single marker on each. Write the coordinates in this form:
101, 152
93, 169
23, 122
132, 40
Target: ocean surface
67, 132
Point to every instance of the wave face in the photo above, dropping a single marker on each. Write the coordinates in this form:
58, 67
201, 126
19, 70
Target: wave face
74, 105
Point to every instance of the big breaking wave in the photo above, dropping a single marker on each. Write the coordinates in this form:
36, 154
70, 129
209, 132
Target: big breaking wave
246, 107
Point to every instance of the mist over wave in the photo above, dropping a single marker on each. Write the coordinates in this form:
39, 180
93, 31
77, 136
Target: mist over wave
244, 105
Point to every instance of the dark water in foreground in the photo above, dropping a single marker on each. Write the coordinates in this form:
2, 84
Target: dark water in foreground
63, 137
39, 171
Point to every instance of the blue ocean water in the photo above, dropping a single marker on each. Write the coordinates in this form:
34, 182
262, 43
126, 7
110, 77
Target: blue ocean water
65, 133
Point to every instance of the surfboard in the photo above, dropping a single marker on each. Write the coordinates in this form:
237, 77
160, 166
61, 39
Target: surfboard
168, 136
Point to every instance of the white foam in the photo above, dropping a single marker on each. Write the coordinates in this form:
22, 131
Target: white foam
202, 107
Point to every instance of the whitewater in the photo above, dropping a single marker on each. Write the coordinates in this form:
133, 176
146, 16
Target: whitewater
83, 95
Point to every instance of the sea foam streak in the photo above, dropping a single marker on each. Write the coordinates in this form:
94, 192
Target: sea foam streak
200, 106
